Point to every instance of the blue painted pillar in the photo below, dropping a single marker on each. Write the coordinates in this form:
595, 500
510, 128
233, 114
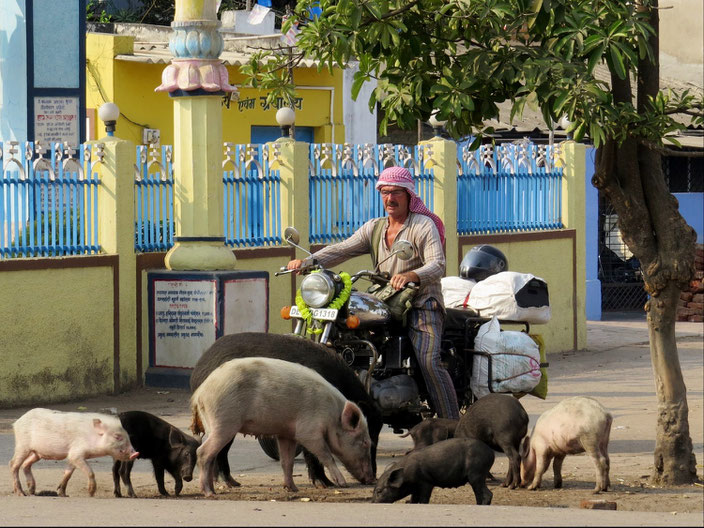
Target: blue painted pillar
591, 225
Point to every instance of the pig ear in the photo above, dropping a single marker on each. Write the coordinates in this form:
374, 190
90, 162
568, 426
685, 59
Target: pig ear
174, 438
98, 426
396, 478
351, 416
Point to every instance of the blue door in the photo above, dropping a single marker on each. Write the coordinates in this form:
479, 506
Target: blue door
265, 134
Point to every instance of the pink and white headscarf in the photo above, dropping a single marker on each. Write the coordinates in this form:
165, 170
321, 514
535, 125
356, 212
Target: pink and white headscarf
401, 177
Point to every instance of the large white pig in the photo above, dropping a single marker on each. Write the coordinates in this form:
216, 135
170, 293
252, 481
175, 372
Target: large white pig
265, 396
55, 435
574, 425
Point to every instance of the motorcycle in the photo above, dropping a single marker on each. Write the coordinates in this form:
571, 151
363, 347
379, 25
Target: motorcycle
366, 328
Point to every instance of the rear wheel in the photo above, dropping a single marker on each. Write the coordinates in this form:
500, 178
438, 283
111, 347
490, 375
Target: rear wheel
271, 447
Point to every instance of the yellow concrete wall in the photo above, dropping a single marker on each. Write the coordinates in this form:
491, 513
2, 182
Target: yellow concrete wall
551, 260
574, 217
116, 234
131, 86
57, 338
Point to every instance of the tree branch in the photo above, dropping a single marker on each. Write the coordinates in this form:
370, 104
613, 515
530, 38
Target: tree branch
393, 13
672, 152
685, 110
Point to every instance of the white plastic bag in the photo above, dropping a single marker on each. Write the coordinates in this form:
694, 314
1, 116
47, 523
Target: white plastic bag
496, 296
515, 360
456, 290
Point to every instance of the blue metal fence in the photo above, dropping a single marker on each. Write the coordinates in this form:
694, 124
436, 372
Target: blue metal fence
508, 188
49, 205
252, 197
154, 198
341, 185
48, 200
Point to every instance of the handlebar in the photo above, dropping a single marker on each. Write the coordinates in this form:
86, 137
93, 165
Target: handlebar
379, 278
372, 276
283, 270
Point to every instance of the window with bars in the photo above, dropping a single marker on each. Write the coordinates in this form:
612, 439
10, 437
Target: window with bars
683, 174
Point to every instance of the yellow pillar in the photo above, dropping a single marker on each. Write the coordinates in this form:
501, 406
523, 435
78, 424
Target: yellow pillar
196, 10
573, 217
116, 235
198, 192
291, 159
443, 161
197, 80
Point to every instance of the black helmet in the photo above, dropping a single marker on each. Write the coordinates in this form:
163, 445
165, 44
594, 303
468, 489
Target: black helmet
481, 261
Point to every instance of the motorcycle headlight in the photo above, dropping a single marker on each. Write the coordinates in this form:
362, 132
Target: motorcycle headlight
317, 290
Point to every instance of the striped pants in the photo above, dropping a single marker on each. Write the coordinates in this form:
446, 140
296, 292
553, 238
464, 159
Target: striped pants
425, 325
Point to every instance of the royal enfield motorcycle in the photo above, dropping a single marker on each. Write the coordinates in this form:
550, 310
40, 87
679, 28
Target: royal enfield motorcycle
362, 319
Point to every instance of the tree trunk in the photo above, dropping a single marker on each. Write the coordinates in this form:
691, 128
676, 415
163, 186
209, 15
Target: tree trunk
652, 227
658, 236
665, 276
675, 462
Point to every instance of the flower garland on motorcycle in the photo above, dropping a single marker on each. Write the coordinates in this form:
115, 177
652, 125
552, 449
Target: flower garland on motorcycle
336, 304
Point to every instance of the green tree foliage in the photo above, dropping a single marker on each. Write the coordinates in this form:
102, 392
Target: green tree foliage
462, 58
595, 62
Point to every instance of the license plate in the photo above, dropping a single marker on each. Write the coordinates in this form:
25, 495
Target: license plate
322, 314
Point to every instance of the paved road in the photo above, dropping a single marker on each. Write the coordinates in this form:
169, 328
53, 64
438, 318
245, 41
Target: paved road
48, 511
606, 371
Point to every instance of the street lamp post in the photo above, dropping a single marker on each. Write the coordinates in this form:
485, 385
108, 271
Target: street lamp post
434, 122
285, 117
109, 113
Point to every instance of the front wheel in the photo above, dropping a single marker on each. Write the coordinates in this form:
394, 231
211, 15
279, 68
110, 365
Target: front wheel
271, 447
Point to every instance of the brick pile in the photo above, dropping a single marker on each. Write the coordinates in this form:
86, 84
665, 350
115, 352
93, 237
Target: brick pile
691, 304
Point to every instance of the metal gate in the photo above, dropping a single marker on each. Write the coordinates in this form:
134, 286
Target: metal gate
619, 271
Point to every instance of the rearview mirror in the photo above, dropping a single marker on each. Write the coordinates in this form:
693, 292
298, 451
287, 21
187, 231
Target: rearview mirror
291, 236
403, 249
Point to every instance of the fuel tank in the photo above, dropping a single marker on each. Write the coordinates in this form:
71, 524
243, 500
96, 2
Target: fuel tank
370, 310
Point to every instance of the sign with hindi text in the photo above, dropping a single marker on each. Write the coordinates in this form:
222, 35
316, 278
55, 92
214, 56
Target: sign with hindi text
56, 120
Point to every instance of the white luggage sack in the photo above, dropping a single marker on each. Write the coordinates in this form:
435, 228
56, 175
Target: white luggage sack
515, 360
456, 290
512, 296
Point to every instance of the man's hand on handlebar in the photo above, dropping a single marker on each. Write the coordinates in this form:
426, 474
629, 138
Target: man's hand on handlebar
294, 264
399, 280
300, 265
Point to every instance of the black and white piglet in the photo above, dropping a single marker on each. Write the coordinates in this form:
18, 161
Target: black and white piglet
169, 449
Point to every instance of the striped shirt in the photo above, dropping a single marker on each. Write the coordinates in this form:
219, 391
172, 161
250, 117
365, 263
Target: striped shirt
428, 259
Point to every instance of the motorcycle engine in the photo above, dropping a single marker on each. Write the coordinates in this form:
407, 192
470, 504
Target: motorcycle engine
395, 392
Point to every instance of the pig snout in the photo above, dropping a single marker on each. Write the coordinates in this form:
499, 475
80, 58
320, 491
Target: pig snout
367, 475
187, 473
127, 452
362, 470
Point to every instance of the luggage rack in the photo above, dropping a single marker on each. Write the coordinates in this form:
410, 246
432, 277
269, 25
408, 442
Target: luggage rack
463, 325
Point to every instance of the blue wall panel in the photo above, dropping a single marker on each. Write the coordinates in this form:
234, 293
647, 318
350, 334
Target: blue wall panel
692, 209
56, 44
13, 71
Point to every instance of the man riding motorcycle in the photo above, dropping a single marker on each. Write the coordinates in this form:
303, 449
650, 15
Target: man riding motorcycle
407, 216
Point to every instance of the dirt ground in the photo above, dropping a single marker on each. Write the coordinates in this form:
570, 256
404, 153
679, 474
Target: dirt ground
621, 379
